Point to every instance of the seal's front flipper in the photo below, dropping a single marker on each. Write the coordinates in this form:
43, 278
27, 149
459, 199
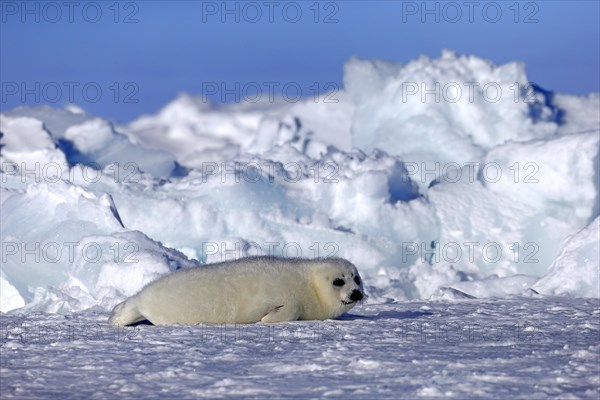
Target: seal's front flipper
281, 313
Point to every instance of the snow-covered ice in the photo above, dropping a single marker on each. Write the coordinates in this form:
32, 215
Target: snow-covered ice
463, 194
518, 348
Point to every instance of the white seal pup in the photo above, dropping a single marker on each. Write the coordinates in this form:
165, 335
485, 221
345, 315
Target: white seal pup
248, 290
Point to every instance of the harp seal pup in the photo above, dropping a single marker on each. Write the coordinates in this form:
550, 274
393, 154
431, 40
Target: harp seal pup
248, 290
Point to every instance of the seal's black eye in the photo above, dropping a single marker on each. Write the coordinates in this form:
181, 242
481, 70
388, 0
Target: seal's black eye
338, 282
357, 280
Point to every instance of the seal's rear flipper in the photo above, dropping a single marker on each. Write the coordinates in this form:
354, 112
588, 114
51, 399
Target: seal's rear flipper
125, 313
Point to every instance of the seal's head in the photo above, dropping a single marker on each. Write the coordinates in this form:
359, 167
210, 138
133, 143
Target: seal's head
338, 284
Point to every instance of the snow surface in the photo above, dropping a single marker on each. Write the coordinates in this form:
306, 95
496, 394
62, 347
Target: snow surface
517, 348
454, 199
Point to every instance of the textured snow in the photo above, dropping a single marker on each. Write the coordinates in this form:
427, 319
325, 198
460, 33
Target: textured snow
517, 348
25, 142
580, 255
437, 198
551, 175
404, 108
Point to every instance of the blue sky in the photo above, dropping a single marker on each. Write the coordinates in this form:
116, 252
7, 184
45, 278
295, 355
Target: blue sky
122, 59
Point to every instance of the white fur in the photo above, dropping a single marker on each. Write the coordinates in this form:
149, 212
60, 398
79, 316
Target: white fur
248, 290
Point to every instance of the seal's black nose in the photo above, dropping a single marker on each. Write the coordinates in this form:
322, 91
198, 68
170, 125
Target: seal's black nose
356, 295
